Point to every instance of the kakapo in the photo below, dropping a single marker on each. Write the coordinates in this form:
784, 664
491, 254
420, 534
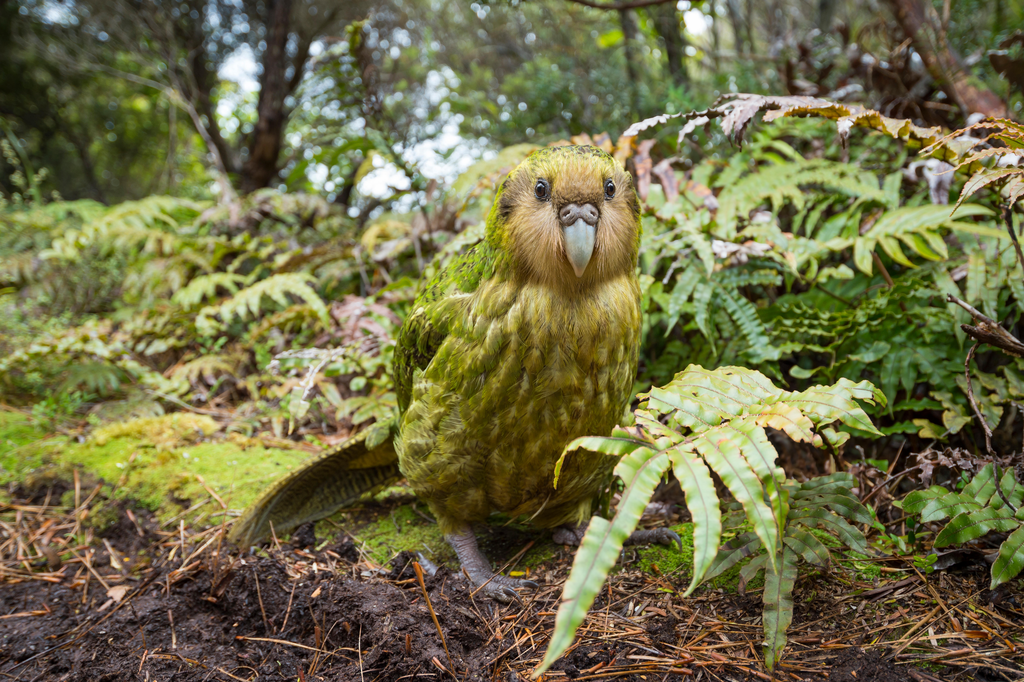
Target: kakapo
525, 342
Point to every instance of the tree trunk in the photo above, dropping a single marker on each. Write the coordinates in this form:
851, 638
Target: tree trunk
627, 19
261, 168
921, 24
735, 18
748, 20
88, 168
716, 36
666, 23
826, 14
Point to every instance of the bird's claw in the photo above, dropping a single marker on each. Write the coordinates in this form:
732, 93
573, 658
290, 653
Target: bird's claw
502, 588
660, 536
573, 535
429, 567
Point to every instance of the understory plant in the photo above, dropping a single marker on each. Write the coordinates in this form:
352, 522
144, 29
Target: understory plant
975, 511
706, 421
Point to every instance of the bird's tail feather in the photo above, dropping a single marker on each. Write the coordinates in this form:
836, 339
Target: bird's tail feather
323, 484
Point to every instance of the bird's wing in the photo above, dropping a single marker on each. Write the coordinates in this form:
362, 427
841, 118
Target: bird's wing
335, 478
367, 462
434, 311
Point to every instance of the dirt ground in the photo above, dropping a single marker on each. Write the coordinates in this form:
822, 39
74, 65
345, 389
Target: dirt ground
144, 601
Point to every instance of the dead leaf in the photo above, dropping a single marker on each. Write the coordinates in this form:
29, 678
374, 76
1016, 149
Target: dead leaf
642, 164
117, 593
667, 177
603, 142
623, 148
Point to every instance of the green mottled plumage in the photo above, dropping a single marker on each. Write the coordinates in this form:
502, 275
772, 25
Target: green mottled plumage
506, 357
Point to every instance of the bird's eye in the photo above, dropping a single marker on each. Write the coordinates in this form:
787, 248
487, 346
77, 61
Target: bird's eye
609, 189
543, 190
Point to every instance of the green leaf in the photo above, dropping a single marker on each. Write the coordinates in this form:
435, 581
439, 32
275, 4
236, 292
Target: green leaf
972, 525
842, 503
703, 504
733, 552
862, 251
916, 501
807, 546
615, 446
1010, 560
946, 506
640, 471
778, 605
750, 571
828, 520
723, 449
982, 485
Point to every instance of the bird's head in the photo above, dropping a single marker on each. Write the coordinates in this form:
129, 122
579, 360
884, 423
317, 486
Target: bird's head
569, 217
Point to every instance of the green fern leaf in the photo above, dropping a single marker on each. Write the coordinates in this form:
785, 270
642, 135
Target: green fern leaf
971, 525
733, 552
807, 546
1010, 560
249, 301
778, 603
641, 471
702, 502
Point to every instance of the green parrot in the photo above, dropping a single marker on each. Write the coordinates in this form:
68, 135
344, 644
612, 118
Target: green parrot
525, 342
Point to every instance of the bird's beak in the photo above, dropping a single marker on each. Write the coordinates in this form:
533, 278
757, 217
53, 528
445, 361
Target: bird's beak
579, 244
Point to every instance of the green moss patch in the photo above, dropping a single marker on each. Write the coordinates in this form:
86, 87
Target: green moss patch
159, 460
396, 530
20, 449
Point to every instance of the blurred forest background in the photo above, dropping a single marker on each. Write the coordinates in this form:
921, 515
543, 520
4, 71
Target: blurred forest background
191, 188
215, 214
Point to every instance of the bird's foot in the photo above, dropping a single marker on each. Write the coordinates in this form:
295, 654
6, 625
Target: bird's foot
478, 568
569, 535
500, 587
654, 536
573, 535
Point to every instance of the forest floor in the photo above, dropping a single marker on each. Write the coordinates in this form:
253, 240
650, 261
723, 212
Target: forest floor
95, 585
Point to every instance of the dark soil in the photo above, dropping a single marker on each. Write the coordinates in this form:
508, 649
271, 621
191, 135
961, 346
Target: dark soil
302, 614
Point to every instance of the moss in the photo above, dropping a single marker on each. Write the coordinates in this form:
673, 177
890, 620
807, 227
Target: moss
165, 432
150, 460
101, 516
20, 446
540, 553
668, 559
400, 529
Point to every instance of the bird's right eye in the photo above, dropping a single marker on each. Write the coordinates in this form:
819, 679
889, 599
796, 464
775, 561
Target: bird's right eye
542, 190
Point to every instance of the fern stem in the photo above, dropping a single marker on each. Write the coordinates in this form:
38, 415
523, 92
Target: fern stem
1008, 218
888, 281
984, 425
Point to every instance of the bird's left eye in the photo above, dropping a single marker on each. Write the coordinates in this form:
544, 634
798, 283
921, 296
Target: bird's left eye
609, 189
542, 190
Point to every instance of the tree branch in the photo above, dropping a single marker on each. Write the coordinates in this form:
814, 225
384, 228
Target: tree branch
996, 469
988, 330
630, 4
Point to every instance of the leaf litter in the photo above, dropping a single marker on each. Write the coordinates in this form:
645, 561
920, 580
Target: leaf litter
141, 601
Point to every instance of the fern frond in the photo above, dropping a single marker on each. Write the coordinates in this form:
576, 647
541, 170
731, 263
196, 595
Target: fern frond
206, 367
151, 223
715, 420
784, 183
249, 301
205, 287
919, 227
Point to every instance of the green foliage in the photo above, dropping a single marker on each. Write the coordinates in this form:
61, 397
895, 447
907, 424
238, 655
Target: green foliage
976, 511
809, 268
714, 421
194, 303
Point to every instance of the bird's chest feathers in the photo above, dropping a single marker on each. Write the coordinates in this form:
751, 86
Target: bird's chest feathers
536, 364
